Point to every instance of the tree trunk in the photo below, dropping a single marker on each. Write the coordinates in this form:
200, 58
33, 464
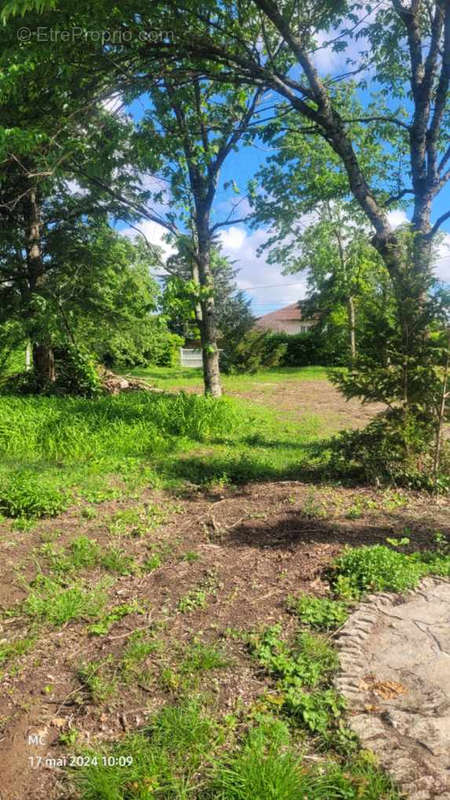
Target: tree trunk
43, 357
43, 363
208, 326
352, 326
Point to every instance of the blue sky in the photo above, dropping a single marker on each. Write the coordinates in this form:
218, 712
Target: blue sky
265, 285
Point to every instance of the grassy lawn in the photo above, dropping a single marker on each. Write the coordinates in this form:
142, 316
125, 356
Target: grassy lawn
172, 378
167, 598
94, 449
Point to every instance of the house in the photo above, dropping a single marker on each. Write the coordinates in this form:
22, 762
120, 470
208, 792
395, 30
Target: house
285, 320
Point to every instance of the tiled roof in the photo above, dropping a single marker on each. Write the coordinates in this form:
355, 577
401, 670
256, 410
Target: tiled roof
292, 313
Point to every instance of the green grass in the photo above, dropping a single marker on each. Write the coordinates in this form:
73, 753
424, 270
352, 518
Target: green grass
180, 756
84, 553
174, 378
381, 568
54, 602
96, 679
58, 450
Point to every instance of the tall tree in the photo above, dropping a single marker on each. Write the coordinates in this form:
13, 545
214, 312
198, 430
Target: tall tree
187, 135
331, 246
181, 300
406, 45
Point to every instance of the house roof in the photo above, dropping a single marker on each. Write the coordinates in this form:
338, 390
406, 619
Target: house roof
292, 313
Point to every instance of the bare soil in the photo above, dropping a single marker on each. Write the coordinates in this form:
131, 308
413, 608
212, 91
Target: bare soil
256, 545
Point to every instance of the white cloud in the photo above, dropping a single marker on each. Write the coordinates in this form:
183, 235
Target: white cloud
75, 189
398, 217
442, 267
232, 238
276, 290
153, 232
114, 104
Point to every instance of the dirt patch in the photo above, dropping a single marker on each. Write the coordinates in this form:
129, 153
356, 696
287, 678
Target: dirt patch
241, 551
318, 397
305, 398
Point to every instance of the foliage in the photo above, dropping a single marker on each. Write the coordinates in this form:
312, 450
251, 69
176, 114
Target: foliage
348, 286
319, 612
181, 296
380, 568
393, 448
306, 349
56, 603
255, 351
308, 664
23, 493
75, 373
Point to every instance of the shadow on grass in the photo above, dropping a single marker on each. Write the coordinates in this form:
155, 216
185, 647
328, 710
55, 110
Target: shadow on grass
249, 468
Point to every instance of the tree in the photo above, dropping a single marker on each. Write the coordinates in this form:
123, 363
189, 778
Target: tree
344, 272
185, 137
49, 118
181, 301
406, 45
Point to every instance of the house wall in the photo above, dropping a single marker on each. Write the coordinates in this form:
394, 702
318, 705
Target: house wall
292, 326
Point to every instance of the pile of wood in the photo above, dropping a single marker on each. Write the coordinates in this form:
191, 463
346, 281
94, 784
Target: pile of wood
115, 384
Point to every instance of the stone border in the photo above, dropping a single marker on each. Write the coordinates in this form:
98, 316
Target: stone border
405, 759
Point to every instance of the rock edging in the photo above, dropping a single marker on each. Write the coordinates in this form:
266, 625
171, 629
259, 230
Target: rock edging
389, 650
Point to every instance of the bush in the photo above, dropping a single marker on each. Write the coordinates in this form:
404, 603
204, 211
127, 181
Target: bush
300, 349
392, 448
255, 351
75, 373
24, 495
159, 347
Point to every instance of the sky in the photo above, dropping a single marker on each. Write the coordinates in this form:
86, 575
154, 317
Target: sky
264, 283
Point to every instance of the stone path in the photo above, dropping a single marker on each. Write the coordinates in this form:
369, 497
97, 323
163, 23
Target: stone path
395, 674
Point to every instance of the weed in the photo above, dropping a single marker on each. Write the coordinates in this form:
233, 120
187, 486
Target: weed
84, 552
309, 663
53, 602
115, 559
69, 737
378, 568
106, 622
96, 679
265, 767
23, 524
23, 494
319, 612
136, 652
152, 562
268, 766
9, 651
165, 759
195, 598
312, 508
190, 556
201, 657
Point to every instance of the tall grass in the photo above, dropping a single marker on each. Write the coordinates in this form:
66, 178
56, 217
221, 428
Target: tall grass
100, 448
73, 429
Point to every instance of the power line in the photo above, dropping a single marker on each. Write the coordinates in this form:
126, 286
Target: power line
272, 286
302, 283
